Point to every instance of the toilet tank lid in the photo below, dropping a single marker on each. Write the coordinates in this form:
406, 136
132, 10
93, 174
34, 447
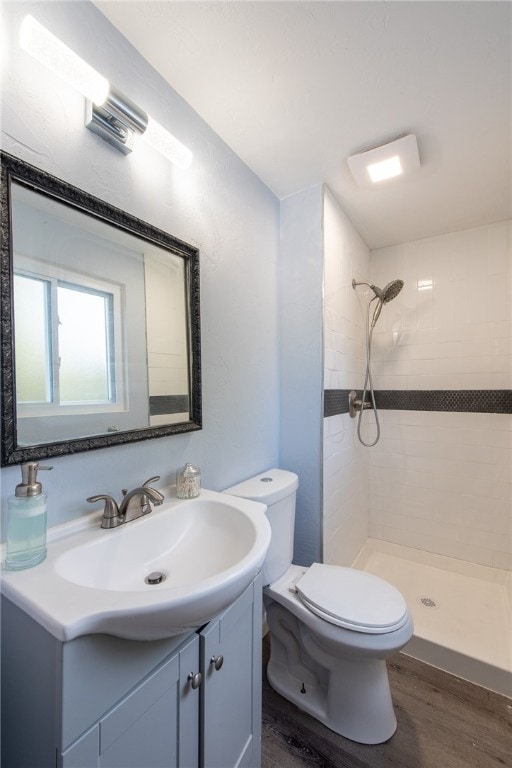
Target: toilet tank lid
268, 487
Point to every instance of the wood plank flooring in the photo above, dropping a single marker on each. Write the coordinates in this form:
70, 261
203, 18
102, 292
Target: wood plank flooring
443, 722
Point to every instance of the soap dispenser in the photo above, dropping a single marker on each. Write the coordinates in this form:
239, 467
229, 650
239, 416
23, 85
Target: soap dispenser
26, 521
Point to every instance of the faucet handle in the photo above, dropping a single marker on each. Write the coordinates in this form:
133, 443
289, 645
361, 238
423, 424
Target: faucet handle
111, 517
155, 496
144, 485
151, 480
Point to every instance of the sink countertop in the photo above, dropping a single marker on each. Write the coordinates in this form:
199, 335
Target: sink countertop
92, 579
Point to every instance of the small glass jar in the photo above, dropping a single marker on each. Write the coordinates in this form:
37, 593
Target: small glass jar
188, 482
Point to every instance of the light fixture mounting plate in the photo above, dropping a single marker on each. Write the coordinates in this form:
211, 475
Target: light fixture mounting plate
400, 153
109, 128
117, 120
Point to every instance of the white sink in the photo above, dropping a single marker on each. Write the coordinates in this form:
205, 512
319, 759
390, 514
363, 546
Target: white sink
207, 551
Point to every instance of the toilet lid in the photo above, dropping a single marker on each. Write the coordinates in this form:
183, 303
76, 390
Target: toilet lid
352, 599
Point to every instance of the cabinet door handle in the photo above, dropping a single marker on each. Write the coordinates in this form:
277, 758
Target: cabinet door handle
195, 679
217, 661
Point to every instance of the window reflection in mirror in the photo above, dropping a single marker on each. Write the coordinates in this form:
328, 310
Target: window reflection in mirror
66, 351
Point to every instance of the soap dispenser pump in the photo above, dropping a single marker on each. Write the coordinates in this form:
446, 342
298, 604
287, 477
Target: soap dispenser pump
26, 521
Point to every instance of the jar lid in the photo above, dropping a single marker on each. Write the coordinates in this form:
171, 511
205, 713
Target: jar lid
190, 471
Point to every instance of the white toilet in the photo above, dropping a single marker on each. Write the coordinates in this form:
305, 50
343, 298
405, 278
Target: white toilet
331, 628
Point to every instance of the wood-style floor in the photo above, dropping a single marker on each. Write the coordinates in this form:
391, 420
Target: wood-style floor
443, 722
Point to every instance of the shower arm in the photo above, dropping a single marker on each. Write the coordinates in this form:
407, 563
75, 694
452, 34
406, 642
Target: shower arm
379, 293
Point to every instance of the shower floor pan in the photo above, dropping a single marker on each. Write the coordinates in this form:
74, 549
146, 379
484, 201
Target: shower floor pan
462, 612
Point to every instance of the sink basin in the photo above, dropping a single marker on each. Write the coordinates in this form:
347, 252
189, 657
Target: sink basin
204, 553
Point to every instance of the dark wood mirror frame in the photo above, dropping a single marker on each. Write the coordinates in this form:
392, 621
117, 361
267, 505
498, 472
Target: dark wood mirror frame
15, 170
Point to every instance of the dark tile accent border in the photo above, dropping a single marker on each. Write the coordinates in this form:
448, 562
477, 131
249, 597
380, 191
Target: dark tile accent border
464, 400
336, 401
162, 404
460, 400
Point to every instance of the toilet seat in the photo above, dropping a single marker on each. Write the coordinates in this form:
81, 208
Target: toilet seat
352, 599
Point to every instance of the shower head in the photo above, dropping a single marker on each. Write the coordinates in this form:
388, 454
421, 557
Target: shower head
386, 294
391, 290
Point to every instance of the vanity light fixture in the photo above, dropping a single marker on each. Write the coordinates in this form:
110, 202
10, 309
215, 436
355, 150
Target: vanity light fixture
396, 158
109, 113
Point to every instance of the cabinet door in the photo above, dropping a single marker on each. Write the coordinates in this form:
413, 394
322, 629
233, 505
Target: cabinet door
84, 753
231, 694
155, 726
142, 731
188, 726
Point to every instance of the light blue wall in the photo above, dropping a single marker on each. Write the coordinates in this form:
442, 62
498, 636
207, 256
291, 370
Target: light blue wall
218, 205
301, 358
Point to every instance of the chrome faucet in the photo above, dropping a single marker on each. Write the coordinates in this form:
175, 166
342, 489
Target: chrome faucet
135, 503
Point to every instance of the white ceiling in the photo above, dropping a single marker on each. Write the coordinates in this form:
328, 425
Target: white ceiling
294, 88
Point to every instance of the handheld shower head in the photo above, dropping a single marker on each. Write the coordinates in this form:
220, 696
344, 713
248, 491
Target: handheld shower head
381, 296
391, 290
386, 294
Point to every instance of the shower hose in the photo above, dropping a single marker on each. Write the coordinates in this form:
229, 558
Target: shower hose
368, 380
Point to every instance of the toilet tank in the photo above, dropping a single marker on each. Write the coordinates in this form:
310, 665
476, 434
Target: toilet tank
277, 488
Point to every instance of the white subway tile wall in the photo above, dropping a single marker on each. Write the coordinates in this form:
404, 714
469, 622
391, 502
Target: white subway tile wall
345, 461
346, 493
441, 482
450, 327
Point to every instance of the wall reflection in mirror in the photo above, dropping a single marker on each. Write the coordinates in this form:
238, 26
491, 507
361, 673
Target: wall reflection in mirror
105, 322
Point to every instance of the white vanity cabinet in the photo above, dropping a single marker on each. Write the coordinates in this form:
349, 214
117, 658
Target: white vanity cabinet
102, 702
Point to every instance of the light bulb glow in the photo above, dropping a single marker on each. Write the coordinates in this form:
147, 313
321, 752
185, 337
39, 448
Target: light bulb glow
385, 169
121, 114
62, 61
399, 157
167, 145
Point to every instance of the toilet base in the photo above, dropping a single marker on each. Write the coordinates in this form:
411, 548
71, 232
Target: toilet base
355, 724
351, 697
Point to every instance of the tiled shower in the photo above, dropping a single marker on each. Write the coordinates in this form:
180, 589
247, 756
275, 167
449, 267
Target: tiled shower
438, 481
441, 481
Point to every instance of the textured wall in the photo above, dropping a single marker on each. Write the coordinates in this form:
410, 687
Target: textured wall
218, 205
442, 481
300, 343
345, 461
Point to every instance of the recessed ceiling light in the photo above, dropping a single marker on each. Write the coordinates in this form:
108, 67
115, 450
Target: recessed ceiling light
396, 158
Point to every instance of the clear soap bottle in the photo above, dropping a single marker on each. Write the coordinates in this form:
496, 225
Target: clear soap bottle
26, 521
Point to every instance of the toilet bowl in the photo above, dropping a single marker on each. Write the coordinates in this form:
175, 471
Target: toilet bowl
331, 628
346, 686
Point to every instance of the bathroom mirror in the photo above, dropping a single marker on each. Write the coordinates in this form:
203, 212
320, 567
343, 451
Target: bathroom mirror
100, 324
